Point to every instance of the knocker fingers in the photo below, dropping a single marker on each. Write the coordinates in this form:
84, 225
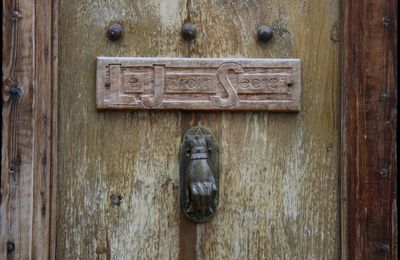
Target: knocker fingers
206, 196
203, 197
209, 195
195, 198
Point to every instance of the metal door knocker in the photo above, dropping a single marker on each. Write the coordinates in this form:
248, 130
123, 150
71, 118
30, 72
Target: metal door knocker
199, 174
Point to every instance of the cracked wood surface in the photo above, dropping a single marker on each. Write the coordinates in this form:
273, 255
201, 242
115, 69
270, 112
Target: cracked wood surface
279, 182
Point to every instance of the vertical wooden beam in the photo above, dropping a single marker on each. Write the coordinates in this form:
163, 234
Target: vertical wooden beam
29, 124
369, 124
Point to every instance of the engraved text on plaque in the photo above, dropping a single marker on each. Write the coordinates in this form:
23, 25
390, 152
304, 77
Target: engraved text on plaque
198, 84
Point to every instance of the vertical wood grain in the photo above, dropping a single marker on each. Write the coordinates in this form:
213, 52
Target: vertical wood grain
279, 186
29, 106
369, 123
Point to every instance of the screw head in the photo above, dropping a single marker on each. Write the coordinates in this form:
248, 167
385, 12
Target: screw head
188, 31
114, 32
265, 33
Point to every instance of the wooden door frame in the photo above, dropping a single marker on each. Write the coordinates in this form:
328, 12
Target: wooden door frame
368, 134
29, 129
369, 123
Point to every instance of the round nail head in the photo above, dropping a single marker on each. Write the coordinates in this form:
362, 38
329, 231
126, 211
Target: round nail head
114, 32
265, 33
188, 31
10, 247
15, 15
385, 247
116, 199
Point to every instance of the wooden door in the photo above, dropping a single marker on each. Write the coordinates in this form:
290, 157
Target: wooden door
118, 171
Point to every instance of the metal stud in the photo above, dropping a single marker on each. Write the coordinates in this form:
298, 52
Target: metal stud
16, 89
265, 33
384, 172
114, 32
188, 31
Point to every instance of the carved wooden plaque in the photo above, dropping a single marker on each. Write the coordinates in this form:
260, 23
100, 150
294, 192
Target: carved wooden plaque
198, 84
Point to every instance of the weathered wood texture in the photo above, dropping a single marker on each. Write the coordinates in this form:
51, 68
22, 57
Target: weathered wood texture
279, 179
198, 84
369, 129
28, 130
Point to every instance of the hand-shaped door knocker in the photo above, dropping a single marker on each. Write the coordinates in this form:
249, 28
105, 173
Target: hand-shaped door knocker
199, 175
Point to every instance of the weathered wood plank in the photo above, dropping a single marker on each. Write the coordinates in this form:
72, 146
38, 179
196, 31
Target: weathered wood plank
28, 137
279, 184
369, 126
198, 84
17, 133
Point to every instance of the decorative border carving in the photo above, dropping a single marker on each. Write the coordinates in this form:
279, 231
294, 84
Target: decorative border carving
198, 84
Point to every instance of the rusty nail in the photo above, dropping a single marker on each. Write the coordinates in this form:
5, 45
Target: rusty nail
384, 172
386, 20
16, 89
188, 31
265, 33
384, 96
10, 247
108, 84
114, 32
385, 247
15, 15
116, 199
13, 167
